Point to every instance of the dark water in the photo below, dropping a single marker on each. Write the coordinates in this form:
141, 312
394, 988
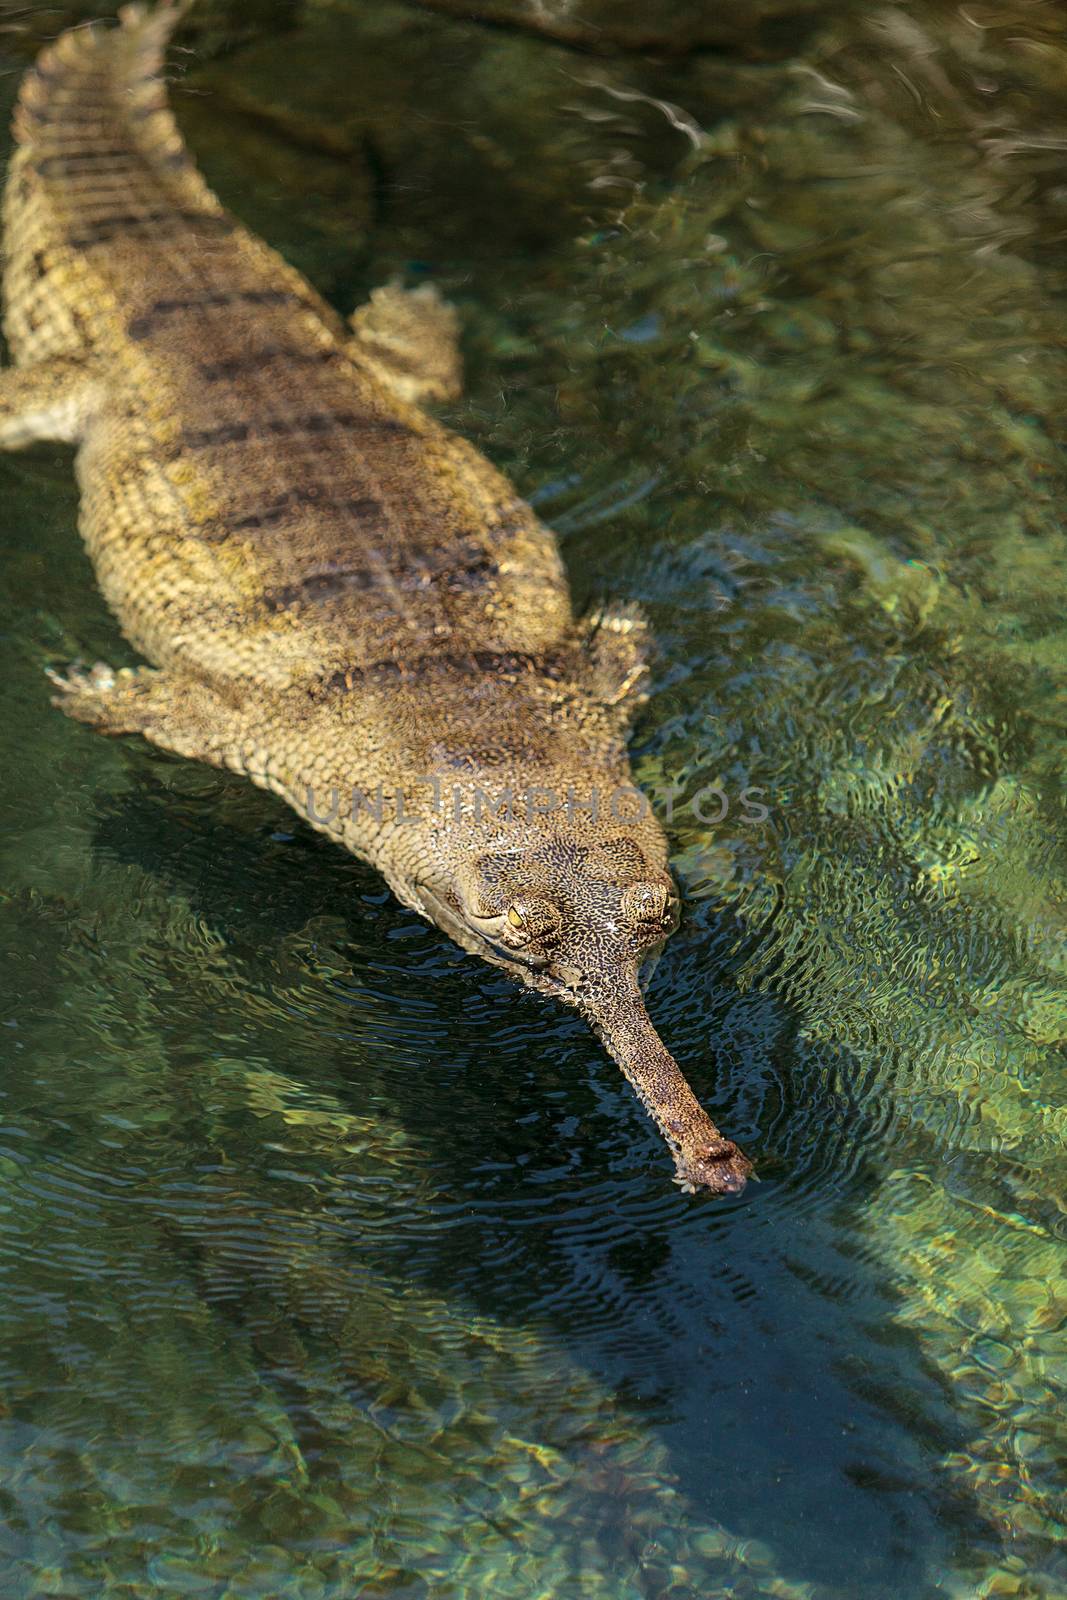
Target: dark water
334, 1266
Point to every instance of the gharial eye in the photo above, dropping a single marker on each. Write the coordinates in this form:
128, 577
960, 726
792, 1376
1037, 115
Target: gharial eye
534, 919
646, 902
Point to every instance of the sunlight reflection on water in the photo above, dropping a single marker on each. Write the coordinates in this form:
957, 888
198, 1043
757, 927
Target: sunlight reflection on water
332, 1265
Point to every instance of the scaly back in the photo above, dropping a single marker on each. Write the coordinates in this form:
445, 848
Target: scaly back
258, 504
100, 172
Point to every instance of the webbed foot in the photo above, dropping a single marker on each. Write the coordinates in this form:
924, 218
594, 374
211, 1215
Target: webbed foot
109, 700
410, 340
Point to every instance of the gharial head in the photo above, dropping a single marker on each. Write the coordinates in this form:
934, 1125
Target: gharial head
576, 917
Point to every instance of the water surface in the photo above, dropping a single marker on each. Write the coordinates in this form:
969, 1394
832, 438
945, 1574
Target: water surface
333, 1265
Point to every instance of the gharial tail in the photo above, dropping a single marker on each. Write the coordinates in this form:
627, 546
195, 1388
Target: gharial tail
111, 63
99, 154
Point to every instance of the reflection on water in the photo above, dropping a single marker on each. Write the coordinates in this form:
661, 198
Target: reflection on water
332, 1265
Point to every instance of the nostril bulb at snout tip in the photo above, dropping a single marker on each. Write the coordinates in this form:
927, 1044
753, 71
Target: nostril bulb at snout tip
719, 1154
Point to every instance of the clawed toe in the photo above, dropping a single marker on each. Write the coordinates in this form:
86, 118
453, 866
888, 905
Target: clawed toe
78, 679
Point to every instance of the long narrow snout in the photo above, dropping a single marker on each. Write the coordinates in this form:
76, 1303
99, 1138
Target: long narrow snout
703, 1158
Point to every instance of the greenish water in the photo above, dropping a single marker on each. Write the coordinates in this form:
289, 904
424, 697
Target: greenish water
332, 1265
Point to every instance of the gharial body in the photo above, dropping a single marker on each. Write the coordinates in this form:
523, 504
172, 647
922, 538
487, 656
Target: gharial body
339, 598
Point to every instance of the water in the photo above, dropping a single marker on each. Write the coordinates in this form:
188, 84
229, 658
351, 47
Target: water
334, 1266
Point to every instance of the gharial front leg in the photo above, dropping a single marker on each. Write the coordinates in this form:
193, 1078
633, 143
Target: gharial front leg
260, 739
175, 712
49, 400
409, 338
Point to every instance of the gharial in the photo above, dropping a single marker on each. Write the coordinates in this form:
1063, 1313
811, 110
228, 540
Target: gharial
340, 598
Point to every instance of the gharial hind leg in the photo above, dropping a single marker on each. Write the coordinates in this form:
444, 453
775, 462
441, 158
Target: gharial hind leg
409, 338
49, 400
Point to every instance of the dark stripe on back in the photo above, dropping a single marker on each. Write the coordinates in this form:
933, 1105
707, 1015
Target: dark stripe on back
69, 81
67, 122
116, 156
319, 586
313, 423
406, 574
510, 664
204, 438
166, 220
362, 507
252, 360
141, 326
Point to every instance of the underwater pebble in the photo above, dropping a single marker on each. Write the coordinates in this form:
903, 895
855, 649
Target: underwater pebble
1001, 1583
754, 1553
993, 1355
179, 1576
712, 1543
